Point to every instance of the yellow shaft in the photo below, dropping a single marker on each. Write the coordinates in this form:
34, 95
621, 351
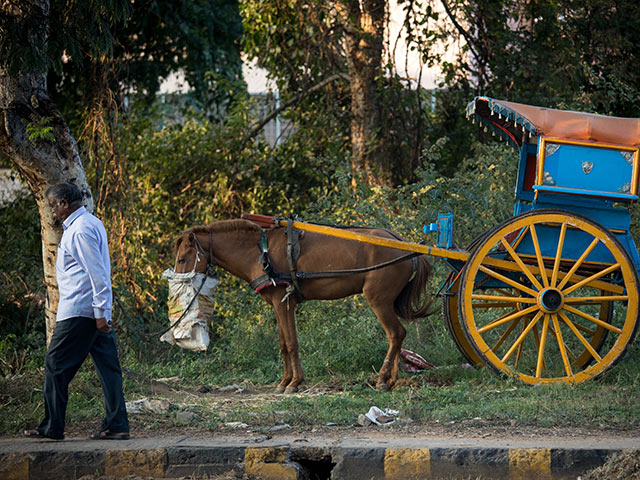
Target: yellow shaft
384, 242
433, 251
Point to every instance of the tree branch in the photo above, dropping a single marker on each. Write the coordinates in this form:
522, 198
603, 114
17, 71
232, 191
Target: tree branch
461, 30
260, 125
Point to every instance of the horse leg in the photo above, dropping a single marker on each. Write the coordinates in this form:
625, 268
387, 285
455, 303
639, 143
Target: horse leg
388, 374
286, 361
286, 313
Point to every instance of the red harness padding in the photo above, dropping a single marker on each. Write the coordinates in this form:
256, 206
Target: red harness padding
264, 221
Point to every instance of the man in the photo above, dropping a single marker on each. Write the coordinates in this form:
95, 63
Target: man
83, 320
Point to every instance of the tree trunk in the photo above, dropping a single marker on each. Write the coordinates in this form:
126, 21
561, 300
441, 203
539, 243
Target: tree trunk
42, 162
365, 26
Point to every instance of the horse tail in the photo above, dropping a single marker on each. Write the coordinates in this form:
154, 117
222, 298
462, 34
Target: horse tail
408, 304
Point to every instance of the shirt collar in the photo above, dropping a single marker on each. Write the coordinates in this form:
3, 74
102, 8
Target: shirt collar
72, 218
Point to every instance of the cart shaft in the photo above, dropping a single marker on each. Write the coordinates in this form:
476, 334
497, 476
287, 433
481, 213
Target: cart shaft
430, 250
383, 242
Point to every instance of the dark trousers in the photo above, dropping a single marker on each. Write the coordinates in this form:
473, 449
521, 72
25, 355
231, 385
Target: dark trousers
73, 339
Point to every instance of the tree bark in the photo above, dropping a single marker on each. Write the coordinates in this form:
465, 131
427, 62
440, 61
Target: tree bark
365, 26
41, 162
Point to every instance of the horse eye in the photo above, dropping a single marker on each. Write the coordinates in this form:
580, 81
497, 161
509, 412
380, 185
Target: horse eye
181, 261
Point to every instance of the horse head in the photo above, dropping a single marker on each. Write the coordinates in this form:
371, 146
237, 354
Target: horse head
190, 254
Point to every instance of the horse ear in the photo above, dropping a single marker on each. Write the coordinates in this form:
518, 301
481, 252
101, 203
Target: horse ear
192, 238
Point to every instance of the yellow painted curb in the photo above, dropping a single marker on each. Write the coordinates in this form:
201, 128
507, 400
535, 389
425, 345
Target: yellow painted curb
406, 463
269, 463
148, 463
523, 462
15, 466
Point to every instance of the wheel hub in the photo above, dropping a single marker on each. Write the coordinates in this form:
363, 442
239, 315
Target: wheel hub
550, 300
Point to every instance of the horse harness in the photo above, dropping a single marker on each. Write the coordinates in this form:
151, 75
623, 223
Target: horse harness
272, 277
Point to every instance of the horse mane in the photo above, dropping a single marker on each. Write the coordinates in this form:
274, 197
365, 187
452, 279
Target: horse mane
235, 225
223, 226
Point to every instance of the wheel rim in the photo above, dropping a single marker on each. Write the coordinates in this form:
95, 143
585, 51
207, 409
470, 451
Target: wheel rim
541, 312
452, 321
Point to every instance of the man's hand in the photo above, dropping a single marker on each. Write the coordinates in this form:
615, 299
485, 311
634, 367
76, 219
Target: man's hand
103, 325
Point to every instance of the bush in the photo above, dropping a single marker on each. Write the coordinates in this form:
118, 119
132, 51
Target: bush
22, 328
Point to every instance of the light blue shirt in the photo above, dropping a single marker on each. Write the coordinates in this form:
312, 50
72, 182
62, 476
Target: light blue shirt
83, 268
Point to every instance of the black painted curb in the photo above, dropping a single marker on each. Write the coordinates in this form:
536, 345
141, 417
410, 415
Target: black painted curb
53, 460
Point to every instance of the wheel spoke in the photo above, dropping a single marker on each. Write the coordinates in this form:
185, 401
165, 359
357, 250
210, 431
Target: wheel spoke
593, 319
596, 299
522, 336
579, 336
501, 304
556, 264
593, 277
502, 320
576, 265
508, 281
521, 264
586, 330
506, 334
500, 300
561, 345
543, 342
536, 246
536, 337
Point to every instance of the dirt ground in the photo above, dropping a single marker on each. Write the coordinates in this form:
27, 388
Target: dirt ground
146, 425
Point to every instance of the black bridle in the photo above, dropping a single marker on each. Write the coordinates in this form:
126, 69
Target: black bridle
211, 263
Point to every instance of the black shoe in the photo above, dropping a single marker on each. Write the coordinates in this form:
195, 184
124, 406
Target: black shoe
39, 434
107, 435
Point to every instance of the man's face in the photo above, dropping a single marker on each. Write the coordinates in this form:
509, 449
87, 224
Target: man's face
60, 208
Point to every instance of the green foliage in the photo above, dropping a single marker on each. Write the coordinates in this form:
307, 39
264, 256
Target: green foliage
298, 42
33, 39
200, 39
21, 287
509, 45
38, 129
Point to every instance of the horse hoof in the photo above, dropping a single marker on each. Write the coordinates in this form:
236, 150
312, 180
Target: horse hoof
280, 389
383, 387
291, 390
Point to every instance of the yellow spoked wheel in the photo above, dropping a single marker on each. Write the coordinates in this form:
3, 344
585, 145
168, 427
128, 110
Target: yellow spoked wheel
596, 336
549, 296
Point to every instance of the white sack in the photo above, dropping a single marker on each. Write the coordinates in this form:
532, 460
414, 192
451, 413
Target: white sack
192, 332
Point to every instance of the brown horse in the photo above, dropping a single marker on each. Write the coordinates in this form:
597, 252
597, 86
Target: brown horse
392, 291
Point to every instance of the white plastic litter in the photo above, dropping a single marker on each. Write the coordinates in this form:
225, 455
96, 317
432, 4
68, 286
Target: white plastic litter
236, 425
380, 417
192, 333
144, 405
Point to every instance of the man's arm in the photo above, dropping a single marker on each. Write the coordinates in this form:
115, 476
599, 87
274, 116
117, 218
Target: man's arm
97, 267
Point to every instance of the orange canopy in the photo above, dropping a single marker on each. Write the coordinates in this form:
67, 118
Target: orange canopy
516, 120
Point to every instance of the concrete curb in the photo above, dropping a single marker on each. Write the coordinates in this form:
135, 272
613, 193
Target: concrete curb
283, 458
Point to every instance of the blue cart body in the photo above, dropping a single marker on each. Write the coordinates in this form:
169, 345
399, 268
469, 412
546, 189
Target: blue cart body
583, 163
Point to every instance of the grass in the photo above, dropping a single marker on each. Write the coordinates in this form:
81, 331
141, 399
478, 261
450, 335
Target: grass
454, 394
340, 358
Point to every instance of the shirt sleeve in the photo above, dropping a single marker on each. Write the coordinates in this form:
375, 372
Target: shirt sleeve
90, 256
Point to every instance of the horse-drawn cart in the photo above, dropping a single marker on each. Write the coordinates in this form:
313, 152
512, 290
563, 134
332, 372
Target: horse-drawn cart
551, 294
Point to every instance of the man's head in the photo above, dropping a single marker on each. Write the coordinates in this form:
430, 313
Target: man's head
64, 199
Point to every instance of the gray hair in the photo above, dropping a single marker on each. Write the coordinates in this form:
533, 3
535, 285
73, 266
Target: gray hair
65, 191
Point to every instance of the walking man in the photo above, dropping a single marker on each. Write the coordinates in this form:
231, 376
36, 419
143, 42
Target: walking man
83, 321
